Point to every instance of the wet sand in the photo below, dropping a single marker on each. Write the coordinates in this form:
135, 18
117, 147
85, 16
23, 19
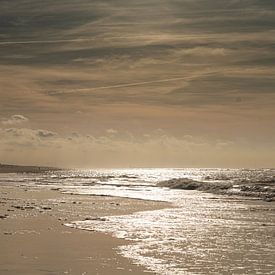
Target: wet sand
33, 239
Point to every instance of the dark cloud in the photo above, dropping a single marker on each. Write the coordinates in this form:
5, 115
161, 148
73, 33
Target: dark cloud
221, 92
37, 19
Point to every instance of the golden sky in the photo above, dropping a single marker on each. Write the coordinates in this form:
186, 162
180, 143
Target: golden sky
145, 83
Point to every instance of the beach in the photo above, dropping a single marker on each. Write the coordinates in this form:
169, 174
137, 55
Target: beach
128, 221
34, 240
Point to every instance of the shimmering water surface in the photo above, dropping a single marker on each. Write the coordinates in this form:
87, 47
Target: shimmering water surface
200, 233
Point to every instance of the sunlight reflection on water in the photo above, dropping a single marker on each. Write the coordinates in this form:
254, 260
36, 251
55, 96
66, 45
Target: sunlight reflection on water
199, 236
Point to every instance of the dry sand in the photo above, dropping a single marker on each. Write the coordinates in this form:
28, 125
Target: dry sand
33, 239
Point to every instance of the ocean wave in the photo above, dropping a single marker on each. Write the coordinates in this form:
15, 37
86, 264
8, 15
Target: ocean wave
264, 189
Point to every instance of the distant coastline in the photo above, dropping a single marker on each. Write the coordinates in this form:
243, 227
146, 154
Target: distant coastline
10, 168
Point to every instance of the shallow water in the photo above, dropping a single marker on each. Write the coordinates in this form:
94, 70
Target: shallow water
200, 233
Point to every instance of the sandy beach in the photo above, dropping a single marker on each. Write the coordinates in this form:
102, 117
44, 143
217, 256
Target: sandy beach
34, 240
100, 222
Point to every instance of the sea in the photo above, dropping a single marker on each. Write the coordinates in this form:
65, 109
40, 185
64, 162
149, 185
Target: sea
197, 233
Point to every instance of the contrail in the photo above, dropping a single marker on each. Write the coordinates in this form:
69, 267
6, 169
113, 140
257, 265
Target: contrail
125, 85
45, 41
116, 86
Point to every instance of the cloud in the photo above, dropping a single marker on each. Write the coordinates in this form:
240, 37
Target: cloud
155, 149
45, 134
111, 131
204, 51
201, 66
247, 89
14, 120
26, 137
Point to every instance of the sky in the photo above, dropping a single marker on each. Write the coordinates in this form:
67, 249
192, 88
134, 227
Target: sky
144, 83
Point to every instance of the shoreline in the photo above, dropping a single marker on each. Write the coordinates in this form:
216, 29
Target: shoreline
34, 239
